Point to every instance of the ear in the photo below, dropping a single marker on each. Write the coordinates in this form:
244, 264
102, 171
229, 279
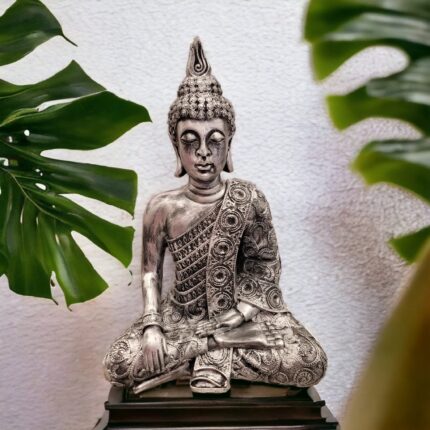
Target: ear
180, 171
229, 163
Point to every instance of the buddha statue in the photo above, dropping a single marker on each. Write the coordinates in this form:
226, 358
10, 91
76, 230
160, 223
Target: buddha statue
224, 318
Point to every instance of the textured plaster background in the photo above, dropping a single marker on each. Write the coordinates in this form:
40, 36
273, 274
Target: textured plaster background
339, 276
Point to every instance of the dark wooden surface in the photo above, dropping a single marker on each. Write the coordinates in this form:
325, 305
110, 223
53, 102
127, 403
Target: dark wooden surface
247, 406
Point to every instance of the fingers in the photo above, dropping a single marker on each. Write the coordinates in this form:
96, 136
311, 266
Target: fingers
153, 360
223, 329
206, 328
149, 362
144, 361
153, 354
231, 323
224, 323
161, 359
205, 325
156, 361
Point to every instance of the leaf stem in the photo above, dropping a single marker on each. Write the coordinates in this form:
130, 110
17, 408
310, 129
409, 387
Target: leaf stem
24, 192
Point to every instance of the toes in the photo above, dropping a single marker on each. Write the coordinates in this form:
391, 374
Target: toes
274, 336
279, 343
275, 343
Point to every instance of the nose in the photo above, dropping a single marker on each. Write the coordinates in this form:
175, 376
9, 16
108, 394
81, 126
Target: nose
203, 150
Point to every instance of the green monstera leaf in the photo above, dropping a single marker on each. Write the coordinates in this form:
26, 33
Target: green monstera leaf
23, 27
36, 217
392, 393
338, 29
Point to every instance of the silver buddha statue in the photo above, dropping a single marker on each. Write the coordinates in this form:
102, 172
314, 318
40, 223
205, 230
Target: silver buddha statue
224, 318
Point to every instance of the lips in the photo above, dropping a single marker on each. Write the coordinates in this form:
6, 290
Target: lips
207, 167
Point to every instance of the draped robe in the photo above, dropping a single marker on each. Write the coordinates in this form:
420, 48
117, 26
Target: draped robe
230, 254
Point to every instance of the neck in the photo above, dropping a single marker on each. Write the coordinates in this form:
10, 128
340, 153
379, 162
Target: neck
205, 192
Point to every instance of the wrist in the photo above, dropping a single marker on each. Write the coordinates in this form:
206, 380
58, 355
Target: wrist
152, 319
247, 310
152, 328
240, 313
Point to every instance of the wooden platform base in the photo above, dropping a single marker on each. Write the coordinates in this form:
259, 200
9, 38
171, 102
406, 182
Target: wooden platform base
247, 406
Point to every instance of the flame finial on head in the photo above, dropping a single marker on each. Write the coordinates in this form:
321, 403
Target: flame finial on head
197, 63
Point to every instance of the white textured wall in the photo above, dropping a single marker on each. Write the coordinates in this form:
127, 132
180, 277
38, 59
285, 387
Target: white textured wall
339, 276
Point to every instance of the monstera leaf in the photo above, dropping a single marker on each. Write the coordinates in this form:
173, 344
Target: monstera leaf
23, 27
393, 392
338, 29
36, 217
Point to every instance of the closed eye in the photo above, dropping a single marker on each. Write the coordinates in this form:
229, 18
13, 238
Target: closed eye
188, 138
216, 141
216, 137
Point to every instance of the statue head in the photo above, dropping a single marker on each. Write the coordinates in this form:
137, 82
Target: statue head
201, 121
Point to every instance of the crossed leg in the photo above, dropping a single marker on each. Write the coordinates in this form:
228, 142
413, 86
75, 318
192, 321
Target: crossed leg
124, 363
301, 362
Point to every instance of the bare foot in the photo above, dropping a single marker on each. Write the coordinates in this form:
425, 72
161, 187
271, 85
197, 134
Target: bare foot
208, 378
251, 335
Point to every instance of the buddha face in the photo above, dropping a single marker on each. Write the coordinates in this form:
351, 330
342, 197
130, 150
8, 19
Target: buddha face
203, 147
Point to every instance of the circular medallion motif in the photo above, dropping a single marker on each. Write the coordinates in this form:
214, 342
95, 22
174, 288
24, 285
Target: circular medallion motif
231, 221
217, 356
222, 302
120, 351
281, 378
274, 298
248, 287
270, 361
223, 248
307, 351
176, 315
239, 193
220, 276
304, 378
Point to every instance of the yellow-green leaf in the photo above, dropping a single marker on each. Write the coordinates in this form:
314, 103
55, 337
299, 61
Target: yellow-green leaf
393, 393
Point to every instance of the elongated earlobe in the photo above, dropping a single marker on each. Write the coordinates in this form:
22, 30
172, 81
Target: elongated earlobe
229, 163
180, 171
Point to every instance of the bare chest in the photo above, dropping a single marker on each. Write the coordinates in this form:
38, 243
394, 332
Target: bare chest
186, 214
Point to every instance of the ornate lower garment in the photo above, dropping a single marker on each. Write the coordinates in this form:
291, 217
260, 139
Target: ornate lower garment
229, 255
